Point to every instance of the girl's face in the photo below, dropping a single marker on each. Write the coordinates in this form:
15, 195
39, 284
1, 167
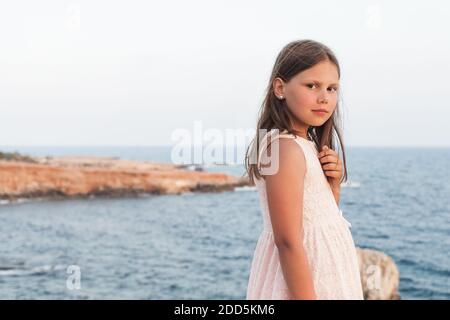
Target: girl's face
313, 89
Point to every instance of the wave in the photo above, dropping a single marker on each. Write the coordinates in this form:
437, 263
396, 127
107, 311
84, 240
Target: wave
245, 188
20, 200
350, 184
20, 271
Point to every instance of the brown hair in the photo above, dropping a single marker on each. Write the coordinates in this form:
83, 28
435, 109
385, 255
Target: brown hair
294, 58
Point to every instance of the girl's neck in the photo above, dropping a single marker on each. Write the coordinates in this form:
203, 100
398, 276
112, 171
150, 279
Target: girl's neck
302, 132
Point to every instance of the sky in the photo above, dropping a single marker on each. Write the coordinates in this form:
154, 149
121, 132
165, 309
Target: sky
132, 72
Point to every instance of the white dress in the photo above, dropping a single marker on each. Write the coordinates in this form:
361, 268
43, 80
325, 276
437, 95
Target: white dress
327, 241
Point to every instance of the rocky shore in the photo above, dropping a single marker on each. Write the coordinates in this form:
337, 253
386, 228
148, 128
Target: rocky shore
60, 177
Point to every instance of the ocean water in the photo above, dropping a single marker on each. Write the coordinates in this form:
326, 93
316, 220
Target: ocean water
199, 246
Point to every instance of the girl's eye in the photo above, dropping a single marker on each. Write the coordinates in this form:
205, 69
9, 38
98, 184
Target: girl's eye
313, 86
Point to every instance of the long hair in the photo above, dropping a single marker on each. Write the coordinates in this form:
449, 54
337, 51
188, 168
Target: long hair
294, 58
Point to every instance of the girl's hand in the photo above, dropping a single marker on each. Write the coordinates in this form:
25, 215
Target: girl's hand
332, 166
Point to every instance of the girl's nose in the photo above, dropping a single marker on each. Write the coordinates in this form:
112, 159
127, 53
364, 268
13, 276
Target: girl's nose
323, 99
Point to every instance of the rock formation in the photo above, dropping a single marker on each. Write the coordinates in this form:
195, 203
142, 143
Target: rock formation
379, 275
90, 176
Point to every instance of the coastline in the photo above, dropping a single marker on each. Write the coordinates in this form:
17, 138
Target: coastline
82, 177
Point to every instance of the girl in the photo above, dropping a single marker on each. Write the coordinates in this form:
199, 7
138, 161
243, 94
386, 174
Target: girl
306, 250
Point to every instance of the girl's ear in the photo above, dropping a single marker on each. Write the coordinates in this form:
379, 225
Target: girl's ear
278, 87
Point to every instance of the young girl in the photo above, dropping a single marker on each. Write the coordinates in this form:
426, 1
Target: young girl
306, 250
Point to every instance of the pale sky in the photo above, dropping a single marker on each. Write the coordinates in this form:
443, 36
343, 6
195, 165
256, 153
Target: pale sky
132, 72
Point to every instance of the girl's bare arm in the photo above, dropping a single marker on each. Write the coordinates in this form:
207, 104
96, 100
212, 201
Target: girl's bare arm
285, 200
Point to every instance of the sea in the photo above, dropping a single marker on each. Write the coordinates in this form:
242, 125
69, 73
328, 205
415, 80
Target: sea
200, 245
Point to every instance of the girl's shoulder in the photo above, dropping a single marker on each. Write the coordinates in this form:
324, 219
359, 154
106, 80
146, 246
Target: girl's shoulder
272, 137
281, 152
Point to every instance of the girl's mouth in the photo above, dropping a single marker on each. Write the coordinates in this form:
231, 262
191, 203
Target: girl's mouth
320, 112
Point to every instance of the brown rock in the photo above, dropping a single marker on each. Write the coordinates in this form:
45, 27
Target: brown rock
379, 275
92, 176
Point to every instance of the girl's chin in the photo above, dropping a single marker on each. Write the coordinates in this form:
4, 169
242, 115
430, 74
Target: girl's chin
317, 122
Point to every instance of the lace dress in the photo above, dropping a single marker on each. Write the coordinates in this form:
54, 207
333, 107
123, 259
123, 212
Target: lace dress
327, 240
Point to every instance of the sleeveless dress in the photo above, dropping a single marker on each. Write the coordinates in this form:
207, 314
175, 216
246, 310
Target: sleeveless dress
327, 240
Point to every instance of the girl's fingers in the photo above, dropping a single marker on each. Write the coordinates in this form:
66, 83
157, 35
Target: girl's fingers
330, 158
327, 152
332, 166
333, 173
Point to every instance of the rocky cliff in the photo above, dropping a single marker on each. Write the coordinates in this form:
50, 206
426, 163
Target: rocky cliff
88, 176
